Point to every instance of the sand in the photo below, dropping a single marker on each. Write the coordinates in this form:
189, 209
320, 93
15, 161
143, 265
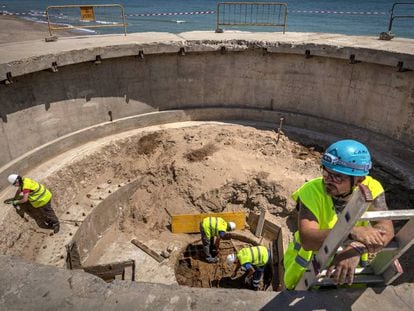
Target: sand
15, 29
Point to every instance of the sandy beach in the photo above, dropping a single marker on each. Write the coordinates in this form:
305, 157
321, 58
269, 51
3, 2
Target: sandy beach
15, 29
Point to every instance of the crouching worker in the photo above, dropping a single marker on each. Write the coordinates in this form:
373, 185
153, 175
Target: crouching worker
39, 202
252, 260
210, 228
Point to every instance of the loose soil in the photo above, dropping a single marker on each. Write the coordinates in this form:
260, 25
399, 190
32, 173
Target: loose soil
209, 168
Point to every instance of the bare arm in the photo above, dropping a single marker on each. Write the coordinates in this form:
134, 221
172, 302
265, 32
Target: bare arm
381, 232
386, 225
24, 199
250, 272
311, 236
235, 270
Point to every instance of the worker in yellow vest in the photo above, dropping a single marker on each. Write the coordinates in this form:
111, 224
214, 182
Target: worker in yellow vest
38, 202
252, 260
345, 164
211, 228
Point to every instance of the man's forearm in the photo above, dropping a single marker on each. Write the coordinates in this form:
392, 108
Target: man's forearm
312, 239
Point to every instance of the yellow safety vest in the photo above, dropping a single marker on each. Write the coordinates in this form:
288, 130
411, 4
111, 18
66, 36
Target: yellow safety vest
312, 194
256, 256
39, 195
213, 225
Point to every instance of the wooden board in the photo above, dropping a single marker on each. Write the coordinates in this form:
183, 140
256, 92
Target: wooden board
270, 231
149, 251
191, 223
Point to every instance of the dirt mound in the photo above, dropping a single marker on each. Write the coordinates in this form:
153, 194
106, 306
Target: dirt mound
210, 168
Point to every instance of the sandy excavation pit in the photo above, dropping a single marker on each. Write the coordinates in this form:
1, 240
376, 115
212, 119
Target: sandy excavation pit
192, 270
182, 170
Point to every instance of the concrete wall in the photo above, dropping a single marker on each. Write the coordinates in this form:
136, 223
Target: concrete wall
101, 218
326, 94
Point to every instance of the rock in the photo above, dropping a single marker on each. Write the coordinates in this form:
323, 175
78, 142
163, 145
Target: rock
386, 35
165, 254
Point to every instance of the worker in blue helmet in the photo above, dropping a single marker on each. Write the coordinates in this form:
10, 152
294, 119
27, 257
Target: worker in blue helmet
345, 164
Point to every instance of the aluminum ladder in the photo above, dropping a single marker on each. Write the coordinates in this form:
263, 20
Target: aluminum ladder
384, 268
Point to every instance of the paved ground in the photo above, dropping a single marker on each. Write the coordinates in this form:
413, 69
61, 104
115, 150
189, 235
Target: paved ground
36, 287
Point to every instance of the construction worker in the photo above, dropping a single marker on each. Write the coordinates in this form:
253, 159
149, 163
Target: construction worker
39, 197
210, 228
252, 260
345, 164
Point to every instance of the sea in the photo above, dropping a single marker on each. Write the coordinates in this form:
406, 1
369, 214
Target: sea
350, 17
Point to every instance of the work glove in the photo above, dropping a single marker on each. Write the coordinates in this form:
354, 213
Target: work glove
247, 280
15, 203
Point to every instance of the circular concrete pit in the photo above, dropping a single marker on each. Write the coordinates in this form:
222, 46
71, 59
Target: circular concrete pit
126, 144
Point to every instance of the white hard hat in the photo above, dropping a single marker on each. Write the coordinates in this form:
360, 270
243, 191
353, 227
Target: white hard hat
231, 225
12, 178
231, 259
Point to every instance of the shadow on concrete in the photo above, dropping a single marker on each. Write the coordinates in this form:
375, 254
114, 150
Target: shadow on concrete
317, 300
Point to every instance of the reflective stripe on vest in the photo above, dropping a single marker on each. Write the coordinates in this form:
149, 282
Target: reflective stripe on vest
258, 252
247, 255
301, 261
39, 195
213, 233
212, 229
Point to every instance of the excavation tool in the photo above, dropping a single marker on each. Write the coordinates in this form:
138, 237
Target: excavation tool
384, 268
17, 207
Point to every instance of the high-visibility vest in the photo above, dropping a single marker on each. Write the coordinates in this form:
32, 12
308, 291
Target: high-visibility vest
39, 195
256, 256
213, 225
313, 195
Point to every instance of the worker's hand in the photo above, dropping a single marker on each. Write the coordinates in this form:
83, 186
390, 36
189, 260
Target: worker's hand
15, 203
372, 238
343, 266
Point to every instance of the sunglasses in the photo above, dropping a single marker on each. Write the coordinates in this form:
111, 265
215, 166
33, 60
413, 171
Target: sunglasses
335, 177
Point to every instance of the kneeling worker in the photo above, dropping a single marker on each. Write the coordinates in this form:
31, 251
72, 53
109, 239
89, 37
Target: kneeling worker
210, 228
39, 197
252, 260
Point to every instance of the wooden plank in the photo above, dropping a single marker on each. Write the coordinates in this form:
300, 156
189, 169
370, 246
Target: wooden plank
190, 223
260, 223
149, 251
270, 230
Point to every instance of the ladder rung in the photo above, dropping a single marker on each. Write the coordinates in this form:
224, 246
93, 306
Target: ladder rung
392, 246
358, 279
391, 215
365, 270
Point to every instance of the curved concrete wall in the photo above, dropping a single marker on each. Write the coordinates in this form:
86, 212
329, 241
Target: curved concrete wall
249, 80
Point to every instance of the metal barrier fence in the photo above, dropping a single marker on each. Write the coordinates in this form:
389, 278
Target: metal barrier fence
251, 14
393, 16
67, 17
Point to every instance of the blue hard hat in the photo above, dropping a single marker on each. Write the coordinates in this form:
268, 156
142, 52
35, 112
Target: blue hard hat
348, 157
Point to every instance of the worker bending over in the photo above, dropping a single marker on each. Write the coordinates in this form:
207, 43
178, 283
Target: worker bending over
210, 228
39, 197
252, 260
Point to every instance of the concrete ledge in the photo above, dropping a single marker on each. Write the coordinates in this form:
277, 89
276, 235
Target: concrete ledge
36, 287
28, 57
392, 155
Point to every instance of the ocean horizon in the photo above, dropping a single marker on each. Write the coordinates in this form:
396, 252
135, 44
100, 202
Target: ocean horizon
350, 17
